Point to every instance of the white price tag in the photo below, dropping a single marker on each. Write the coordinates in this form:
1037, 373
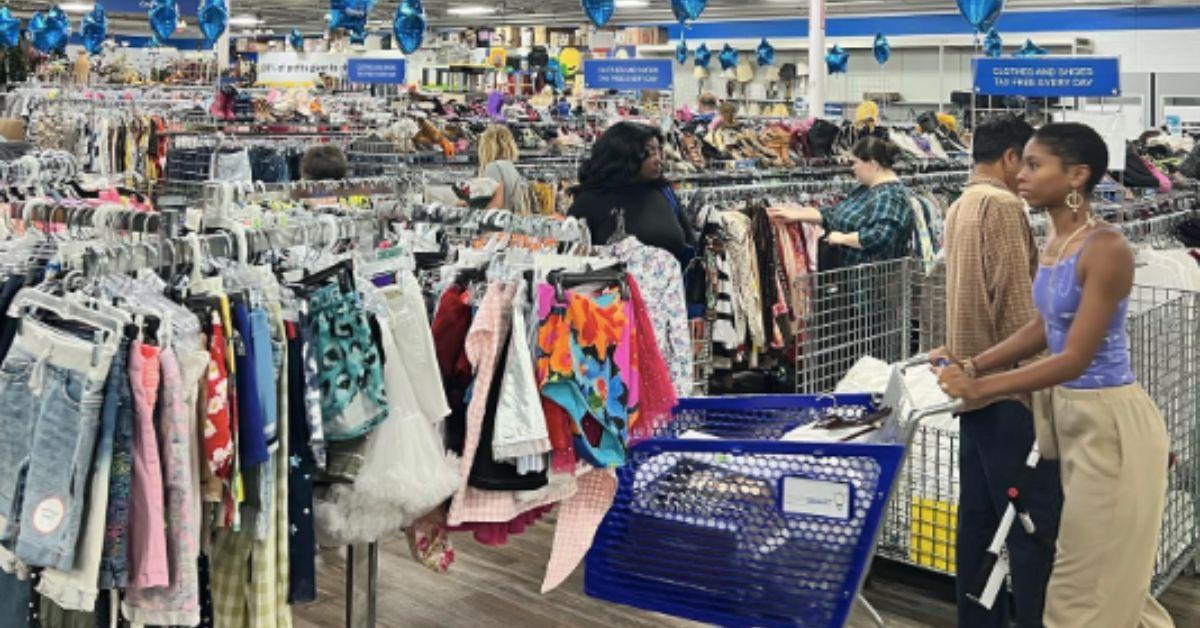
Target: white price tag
815, 497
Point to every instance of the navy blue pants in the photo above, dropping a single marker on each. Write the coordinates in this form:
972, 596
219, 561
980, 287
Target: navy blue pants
994, 443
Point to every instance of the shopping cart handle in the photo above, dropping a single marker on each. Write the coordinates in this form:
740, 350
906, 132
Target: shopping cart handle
954, 406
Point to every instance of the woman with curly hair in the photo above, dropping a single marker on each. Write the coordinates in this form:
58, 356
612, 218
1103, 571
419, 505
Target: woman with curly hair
624, 177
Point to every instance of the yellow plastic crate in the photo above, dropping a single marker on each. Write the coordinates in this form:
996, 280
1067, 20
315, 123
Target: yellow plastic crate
932, 537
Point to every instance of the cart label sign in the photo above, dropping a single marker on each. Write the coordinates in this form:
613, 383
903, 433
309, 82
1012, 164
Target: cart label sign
627, 74
815, 497
1048, 77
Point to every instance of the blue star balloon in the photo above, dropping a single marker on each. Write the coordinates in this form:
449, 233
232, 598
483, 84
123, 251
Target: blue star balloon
164, 18
351, 15
728, 57
836, 60
409, 25
982, 14
50, 30
10, 29
598, 11
882, 49
681, 51
1030, 49
685, 10
214, 18
94, 29
765, 53
296, 39
993, 45
703, 56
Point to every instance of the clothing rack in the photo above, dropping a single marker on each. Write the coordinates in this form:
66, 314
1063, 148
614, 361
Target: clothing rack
819, 185
569, 230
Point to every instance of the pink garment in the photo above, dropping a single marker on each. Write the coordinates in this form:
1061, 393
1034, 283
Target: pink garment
147, 521
655, 388
496, 534
1164, 183
179, 603
578, 520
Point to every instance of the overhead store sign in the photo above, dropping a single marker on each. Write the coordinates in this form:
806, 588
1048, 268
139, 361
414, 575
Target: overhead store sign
627, 74
1048, 77
298, 69
380, 71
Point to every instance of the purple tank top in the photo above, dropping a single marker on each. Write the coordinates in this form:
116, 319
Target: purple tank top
1056, 294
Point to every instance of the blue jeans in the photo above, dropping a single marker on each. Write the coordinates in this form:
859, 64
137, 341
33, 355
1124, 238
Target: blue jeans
52, 388
116, 418
994, 442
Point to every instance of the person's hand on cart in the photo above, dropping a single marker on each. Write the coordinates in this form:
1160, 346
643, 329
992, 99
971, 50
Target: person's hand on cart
956, 383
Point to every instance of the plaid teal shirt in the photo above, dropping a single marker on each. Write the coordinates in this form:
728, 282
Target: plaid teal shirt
882, 218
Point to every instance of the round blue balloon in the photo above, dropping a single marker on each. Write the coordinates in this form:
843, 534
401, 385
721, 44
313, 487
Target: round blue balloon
685, 10
681, 51
993, 45
598, 11
982, 14
836, 60
728, 57
214, 18
409, 25
94, 29
164, 18
50, 30
765, 53
10, 29
1030, 49
882, 49
703, 56
296, 39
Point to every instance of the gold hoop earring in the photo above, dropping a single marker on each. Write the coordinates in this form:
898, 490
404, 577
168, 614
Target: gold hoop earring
1074, 201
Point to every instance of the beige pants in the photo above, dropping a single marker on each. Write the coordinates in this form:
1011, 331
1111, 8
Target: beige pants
1112, 444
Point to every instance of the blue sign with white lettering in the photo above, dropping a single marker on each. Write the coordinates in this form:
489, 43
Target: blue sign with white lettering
627, 74
381, 71
1048, 77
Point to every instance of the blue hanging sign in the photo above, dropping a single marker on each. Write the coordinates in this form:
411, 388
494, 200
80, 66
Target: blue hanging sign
1048, 77
378, 71
627, 74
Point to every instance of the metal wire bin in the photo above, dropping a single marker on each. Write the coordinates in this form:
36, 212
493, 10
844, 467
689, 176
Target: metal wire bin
895, 309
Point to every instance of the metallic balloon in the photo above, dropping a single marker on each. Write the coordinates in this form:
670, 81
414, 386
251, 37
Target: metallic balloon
1030, 49
296, 39
728, 58
836, 60
214, 18
10, 29
94, 29
681, 51
50, 30
351, 15
982, 14
685, 10
882, 49
598, 11
409, 25
703, 56
164, 19
765, 53
993, 45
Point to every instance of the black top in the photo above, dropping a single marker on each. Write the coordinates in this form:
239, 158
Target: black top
649, 216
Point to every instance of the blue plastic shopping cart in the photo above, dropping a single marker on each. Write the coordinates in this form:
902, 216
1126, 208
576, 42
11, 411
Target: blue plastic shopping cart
718, 520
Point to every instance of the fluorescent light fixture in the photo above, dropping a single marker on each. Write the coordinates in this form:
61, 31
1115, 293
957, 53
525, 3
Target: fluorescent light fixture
245, 20
76, 7
632, 4
471, 10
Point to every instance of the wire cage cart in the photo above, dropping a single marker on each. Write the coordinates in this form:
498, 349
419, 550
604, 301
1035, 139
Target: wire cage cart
722, 519
894, 309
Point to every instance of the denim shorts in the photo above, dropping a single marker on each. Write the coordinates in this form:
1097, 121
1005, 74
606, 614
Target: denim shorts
52, 389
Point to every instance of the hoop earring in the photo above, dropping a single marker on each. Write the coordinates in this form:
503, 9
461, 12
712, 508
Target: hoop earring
1074, 201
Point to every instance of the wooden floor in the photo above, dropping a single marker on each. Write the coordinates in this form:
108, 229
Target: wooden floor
499, 587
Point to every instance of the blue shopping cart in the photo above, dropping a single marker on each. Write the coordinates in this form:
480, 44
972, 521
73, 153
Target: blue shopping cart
722, 520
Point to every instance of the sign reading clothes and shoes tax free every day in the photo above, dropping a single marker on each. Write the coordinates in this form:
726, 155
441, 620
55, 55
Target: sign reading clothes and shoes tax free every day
1048, 77
627, 74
